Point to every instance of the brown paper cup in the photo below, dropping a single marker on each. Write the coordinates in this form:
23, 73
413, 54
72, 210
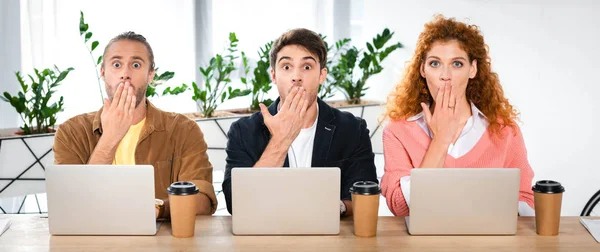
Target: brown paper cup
366, 211
183, 215
547, 213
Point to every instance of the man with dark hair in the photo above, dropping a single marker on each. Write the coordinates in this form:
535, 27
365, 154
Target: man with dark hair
129, 130
298, 129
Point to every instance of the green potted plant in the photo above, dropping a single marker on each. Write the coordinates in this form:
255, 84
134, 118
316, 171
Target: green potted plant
216, 80
343, 72
328, 89
33, 103
259, 83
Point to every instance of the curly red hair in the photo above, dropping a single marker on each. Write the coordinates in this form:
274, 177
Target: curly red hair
484, 90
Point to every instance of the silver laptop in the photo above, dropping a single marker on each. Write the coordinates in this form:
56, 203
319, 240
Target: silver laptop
285, 201
463, 201
101, 200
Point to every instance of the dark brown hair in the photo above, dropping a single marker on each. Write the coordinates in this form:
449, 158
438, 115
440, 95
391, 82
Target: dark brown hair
308, 39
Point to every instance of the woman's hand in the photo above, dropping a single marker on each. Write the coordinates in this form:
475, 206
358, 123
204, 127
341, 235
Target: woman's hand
444, 124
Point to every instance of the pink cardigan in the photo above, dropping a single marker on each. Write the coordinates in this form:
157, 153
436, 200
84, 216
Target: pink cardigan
405, 144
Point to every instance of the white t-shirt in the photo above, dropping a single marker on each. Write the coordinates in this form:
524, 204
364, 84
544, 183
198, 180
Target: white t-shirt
301, 150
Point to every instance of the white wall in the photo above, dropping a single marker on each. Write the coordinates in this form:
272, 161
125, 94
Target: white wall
10, 61
545, 53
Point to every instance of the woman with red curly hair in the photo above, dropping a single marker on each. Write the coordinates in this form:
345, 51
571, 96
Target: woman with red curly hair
449, 110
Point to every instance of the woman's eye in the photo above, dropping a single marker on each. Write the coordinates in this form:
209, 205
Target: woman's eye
117, 64
457, 64
434, 63
136, 65
286, 67
307, 67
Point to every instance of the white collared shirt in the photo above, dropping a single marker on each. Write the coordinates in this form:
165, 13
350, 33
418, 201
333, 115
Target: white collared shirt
470, 135
474, 128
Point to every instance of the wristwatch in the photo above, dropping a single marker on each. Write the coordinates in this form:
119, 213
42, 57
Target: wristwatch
160, 205
342, 208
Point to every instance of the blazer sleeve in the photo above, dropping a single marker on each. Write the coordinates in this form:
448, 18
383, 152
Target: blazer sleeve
237, 156
361, 164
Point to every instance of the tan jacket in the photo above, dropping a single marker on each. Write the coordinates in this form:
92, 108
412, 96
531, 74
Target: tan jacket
171, 142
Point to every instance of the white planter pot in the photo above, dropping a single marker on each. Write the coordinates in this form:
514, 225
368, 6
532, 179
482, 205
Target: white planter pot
23, 160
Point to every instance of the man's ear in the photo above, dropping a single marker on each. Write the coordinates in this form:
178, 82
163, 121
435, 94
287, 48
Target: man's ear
102, 72
273, 77
151, 75
473, 70
323, 75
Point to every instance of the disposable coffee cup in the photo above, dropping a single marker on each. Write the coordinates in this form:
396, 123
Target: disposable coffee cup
547, 196
365, 205
182, 202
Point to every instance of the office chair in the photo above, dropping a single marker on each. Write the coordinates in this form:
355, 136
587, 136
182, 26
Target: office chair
592, 208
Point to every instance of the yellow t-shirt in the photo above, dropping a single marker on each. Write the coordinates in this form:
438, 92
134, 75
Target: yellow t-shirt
125, 154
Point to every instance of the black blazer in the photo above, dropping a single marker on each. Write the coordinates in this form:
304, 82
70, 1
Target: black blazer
341, 140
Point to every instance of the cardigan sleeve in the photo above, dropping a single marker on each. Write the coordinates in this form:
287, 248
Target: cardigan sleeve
397, 165
517, 158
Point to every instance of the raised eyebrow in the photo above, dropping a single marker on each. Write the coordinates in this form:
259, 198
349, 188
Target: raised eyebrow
310, 58
116, 57
433, 57
284, 58
459, 58
138, 58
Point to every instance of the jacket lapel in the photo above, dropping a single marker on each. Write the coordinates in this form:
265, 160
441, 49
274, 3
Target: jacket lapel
323, 135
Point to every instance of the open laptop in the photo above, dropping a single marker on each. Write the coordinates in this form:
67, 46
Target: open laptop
101, 200
463, 201
286, 201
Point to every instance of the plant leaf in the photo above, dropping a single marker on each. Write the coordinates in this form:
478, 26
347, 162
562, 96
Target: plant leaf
63, 75
151, 91
82, 26
370, 47
94, 44
88, 35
